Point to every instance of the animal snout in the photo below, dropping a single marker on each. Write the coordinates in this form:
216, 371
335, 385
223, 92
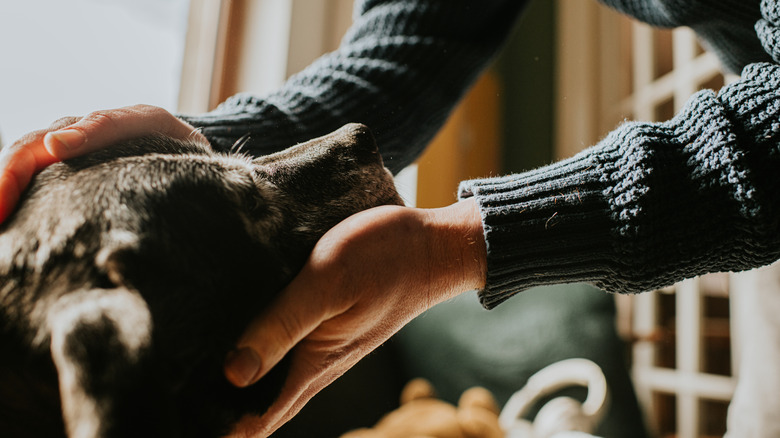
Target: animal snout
360, 142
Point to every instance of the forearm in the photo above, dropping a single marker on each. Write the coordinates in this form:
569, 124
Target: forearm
400, 70
648, 206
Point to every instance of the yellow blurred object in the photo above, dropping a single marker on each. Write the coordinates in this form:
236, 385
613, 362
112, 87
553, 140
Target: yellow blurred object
423, 416
468, 145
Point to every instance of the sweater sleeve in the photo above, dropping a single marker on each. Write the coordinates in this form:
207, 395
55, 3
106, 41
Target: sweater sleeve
724, 26
400, 70
651, 204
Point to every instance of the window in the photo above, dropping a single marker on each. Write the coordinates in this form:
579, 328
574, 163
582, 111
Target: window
681, 336
69, 57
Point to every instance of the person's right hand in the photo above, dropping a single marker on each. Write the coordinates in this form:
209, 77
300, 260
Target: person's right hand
365, 278
73, 136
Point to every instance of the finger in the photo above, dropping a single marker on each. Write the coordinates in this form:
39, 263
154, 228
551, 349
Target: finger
18, 165
270, 336
312, 369
9, 194
103, 128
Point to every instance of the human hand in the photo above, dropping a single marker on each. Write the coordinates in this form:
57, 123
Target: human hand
73, 136
365, 279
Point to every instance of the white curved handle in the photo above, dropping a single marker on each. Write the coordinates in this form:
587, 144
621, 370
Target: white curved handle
570, 372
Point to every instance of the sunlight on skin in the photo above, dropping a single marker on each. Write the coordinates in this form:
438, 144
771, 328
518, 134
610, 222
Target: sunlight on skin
71, 136
18, 169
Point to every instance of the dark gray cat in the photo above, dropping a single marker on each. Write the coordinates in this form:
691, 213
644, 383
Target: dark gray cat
127, 275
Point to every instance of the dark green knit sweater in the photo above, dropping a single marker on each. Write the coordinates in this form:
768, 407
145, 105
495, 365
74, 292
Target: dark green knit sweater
649, 205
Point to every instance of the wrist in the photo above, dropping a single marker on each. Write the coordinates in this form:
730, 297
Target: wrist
458, 246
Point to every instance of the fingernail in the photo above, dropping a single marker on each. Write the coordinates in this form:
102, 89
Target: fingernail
69, 138
242, 366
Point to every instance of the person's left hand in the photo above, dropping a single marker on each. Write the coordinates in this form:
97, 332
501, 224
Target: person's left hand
365, 279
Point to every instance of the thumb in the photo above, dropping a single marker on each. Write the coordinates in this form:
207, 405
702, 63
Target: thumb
103, 128
271, 336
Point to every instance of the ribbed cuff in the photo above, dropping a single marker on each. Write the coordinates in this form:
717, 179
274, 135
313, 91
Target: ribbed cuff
542, 227
642, 209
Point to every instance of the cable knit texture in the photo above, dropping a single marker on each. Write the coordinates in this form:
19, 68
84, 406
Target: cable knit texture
650, 204
767, 28
724, 26
401, 68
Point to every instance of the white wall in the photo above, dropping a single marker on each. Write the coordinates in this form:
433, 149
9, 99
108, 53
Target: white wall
69, 57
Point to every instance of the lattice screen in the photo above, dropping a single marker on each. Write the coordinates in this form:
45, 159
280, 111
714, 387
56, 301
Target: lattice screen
613, 69
682, 362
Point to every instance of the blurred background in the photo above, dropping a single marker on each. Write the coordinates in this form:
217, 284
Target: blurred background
67, 58
571, 72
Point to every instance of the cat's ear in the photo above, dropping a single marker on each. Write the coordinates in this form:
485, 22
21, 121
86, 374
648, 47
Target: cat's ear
100, 343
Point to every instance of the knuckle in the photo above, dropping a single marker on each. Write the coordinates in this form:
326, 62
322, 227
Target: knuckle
144, 108
100, 120
318, 363
151, 112
290, 328
162, 119
63, 122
